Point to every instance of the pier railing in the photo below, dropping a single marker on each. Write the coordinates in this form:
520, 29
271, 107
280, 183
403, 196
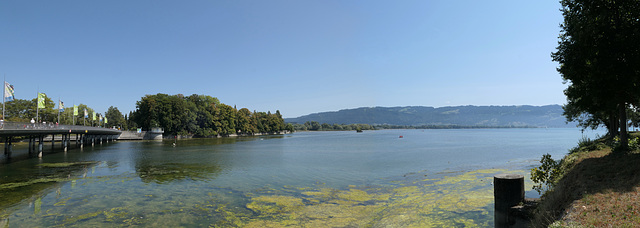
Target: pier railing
4, 125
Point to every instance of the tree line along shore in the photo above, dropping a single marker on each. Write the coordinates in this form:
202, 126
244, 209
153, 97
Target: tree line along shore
194, 115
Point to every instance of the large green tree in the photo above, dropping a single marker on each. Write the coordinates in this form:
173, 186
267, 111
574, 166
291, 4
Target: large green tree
201, 116
20, 110
115, 118
599, 57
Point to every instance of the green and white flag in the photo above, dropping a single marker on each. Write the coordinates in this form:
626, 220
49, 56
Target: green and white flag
94, 116
75, 110
41, 97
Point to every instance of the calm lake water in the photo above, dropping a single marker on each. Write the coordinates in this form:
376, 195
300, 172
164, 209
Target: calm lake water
427, 178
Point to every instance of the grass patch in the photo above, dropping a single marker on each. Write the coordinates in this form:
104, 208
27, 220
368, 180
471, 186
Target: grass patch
597, 188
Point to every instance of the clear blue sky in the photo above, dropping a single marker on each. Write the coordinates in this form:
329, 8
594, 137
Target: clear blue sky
299, 57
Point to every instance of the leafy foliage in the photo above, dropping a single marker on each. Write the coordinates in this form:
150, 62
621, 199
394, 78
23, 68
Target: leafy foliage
115, 118
598, 53
315, 126
545, 176
202, 116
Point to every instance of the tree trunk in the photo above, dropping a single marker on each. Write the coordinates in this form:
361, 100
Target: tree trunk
624, 137
613, 122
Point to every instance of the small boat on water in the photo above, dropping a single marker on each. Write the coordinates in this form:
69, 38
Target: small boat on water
400, 136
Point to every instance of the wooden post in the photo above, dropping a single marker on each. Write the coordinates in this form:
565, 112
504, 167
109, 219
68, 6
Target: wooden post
508, 191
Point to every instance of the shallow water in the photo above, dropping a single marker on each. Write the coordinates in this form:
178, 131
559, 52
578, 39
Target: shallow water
306, 179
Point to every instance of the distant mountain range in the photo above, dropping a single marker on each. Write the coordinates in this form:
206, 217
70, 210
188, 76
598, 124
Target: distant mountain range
517, 116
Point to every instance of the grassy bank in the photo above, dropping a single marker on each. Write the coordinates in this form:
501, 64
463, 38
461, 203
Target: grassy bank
596, 188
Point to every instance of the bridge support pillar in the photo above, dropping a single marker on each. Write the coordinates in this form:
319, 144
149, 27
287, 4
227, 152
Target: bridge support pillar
8, 148
30, 145
65, 143
40, 145
93, 140
53, 141
33, 144
82, 140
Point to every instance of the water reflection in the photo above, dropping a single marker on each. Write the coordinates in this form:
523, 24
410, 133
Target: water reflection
309, 179
156, 163
35, 180
162, 173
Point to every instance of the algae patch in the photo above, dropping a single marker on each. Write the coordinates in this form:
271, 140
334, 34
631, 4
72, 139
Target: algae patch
450, 200
65, 164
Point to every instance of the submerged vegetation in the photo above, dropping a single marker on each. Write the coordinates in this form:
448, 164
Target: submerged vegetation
459, 199
591, 186
14, 190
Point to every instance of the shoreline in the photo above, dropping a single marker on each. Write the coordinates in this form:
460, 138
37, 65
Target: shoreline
597, 187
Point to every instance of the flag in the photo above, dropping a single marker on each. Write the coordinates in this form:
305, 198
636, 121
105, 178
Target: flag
75, 110
100, 118
86, 114
105, 120
8, 92
94, 116
41, 97
61, 106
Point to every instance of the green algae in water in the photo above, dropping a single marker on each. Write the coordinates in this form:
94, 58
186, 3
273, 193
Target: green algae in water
37, 205
168, 172
66, 164
444, 200
32, 182
462, 200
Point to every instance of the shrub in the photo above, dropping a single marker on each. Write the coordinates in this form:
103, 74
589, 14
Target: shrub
545, 176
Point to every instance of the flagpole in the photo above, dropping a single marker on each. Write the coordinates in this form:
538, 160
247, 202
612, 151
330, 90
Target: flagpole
58, 110
37, 106
4, 92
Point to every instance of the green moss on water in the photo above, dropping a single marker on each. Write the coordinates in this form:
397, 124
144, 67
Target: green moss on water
444, 200
32, 181
461, 200
168, 172
65, 164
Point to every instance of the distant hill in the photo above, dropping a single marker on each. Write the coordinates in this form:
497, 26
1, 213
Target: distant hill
519, 116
